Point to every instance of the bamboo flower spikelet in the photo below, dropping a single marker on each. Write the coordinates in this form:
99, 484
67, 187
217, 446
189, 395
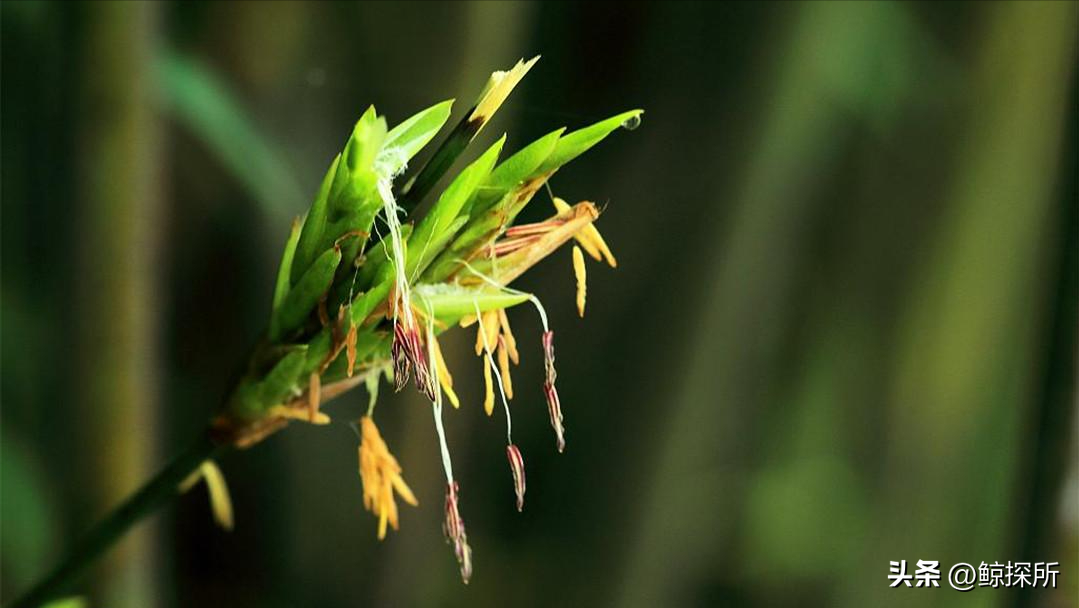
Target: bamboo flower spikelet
364, 289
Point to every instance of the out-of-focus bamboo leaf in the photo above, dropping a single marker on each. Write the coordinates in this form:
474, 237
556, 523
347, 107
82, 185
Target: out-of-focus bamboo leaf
203, 104
26, 514
68, 602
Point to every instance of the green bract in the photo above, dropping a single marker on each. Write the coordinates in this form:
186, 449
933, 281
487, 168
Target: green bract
335, 295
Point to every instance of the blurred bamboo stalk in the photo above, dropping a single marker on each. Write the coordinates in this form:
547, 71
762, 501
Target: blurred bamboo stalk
1050, 444
748, 285
119, 146
968, 345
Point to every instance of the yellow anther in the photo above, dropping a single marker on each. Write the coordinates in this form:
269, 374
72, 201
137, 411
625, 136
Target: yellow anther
579, 271
488, 330
507, 334
381, 477
504, 368
489, 395
589, 238
444, 377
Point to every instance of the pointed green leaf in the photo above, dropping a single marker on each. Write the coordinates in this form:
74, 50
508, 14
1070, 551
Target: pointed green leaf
313, 225
203, 103
573, 145
455, 301
438, 219
317, 350
304, 296
353, 200
366, 302
409, 137
511, 172
369, 344
523, 163
424, 256
375, 256
366, 141
283, 378
281, 288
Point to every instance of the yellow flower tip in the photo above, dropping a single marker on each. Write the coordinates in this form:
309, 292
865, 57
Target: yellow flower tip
444, 377
498, 88
381, 477
580, 273
589, 238
489, 394
490, 323
487, 332
448, 389
507, 334
593, 233
404, 491
560, 205
220, 501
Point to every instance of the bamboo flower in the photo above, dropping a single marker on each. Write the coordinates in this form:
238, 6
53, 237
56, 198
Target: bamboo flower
381, 477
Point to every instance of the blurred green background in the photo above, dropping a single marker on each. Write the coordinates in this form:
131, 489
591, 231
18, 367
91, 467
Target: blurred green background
842, 331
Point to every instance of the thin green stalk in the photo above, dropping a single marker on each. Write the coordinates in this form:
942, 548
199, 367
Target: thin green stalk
152, 495
443, 158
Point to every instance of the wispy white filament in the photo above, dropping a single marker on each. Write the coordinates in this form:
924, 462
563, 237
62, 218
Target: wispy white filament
531, 297
436, 405
393, 223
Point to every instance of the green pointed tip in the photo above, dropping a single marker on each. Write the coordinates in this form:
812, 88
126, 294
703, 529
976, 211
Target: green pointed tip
366, 140
414, 132
580, 141
523, 163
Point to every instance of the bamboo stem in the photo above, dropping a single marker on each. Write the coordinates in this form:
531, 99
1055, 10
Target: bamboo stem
148, 499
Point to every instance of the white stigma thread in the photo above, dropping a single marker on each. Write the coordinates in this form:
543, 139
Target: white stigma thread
498, 376
531, 297
436, 405
393, 223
